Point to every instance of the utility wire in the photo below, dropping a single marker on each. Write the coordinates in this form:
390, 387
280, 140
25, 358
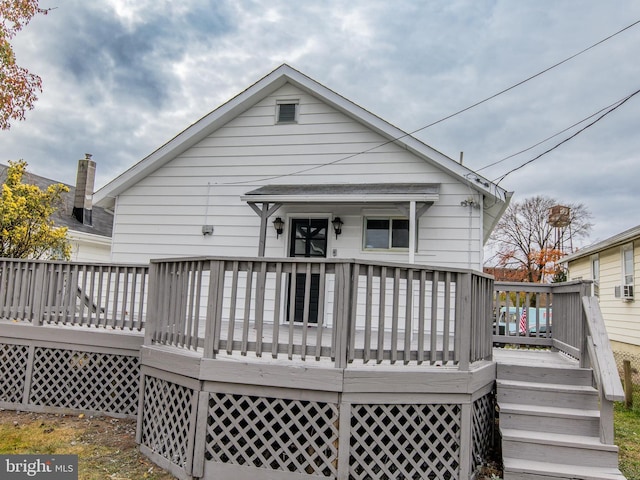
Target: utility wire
548, 138
347, 157
618, 105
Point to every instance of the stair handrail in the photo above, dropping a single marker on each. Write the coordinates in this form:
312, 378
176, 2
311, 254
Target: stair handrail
600, 357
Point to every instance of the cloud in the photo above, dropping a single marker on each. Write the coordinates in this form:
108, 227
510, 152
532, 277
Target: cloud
122, 77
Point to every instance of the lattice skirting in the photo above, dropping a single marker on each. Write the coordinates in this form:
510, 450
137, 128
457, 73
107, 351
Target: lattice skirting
168, 418
13, 372
55, 379
273, 433
302, 437
404, 442
484, 409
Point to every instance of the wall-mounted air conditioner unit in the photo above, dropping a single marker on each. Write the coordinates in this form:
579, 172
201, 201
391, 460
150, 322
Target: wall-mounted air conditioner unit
624, 292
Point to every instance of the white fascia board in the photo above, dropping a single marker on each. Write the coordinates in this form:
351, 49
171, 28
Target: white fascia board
187, 138
364, 198
89, 237
399, 137
265, 86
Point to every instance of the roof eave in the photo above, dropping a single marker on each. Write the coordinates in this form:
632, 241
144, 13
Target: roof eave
187, 138
265, 86
611, 242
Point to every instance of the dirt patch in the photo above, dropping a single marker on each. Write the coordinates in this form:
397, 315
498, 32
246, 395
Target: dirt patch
105, 446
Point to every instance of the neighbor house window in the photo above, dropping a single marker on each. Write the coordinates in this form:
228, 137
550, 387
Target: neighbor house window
627, 264
595, 274
286, 112
386, 233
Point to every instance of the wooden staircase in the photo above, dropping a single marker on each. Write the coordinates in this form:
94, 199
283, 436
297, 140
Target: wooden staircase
550, 420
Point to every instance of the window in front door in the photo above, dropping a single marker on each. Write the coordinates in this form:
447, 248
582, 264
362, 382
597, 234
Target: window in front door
308, 239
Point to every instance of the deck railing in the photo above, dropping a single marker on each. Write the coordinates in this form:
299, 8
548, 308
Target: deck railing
342, 311
100, 295
546, 315
600, 357
568, 319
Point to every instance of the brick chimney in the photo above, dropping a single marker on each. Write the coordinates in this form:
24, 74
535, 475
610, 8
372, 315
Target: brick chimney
85, 180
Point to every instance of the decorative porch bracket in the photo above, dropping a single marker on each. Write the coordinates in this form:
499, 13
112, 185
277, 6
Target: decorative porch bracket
264, 213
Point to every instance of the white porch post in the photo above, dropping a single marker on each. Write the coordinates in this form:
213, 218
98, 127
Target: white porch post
412, 232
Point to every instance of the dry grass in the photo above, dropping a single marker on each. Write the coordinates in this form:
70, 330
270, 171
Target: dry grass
627, 436
105, 446
107, 450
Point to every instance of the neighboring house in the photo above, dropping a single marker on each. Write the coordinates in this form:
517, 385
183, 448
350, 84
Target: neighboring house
89, 227
290, 168
613, 265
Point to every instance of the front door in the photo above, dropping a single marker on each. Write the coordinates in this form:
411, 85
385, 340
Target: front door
308, 239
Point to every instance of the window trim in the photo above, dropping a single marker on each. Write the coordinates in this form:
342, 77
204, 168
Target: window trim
624, 249
296, 104
595, 274
389, 247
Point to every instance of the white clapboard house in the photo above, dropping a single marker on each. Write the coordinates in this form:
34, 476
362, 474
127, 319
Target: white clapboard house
336, 181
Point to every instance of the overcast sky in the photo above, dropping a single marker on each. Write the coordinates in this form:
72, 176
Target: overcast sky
122, 77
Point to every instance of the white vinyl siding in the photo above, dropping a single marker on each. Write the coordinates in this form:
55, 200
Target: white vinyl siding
162, 215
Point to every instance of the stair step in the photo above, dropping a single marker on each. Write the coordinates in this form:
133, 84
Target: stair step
549, 419
551, 394
558, 448
519, 469
546, 374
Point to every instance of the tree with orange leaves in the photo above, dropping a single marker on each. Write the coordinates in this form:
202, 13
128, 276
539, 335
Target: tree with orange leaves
18, 87
527, 245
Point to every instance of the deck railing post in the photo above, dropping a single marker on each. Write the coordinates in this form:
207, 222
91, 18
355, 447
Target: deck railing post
213, 320
343, 313
151, 322
38, 297
463, 319
585, 291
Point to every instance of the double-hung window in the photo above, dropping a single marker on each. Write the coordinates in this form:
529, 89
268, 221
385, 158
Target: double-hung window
595, 274
627, 265
386, 233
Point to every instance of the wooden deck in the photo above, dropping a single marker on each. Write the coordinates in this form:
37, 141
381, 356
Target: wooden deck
534, 358
197, 343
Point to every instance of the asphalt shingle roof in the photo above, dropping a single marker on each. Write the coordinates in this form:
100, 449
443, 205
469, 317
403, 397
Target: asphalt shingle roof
101, 218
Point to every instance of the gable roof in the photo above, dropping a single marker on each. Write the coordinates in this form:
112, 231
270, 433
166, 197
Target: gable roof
494, 208
614, 241
101, 218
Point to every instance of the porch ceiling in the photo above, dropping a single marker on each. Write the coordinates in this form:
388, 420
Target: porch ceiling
345, 193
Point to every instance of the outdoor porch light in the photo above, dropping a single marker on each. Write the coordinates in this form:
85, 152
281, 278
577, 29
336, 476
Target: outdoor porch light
278, 224
337, 226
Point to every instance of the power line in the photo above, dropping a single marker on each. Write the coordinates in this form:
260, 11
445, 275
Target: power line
548, 138
527, 79
491, 97
618, 105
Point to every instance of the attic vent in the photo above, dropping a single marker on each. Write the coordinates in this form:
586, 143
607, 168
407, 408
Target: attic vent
287, 112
